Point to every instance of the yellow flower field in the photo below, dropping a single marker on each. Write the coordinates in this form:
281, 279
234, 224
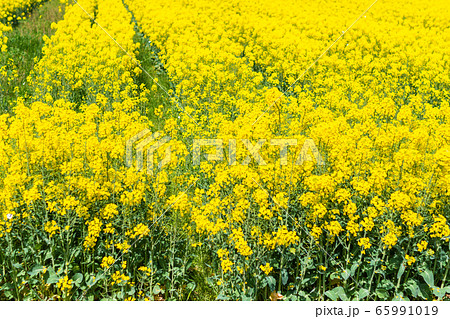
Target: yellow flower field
299, 150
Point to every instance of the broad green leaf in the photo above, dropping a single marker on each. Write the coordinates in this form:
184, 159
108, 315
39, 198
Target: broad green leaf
428, 276
53, 278
386, 284
191, 286
401, 270
332, 294
353, 269
37, 269
77, 278
132, 291
222, 297
398, 297
17, 265
413, 287
382, 293
156, 289
363, 293
271, 282
438, 292
425, 291
346, 274
337, 292
284, 276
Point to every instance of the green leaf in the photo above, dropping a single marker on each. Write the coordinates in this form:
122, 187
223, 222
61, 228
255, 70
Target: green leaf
17, 266
189, 263
37, 269
438, 292
332, 294
77, 279
363, 293
401, 270
337, 292
53, 278
6, 286
386, 284
382, 293
342, 294
48, 255
222, 297
60, 270
425, 291
191, 286
346, 274
271, 282
428, 276
156, 290
413, 287
353, 269
132, 291
284, 276
91, 280
335, 275
8, 294
398, 297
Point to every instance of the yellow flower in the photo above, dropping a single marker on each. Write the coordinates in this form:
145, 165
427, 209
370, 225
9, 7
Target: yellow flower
222, 253
107, 261
422, 245
266, 268
119, 277
226, 265
64, 284
364, 243
410, 260
51, 228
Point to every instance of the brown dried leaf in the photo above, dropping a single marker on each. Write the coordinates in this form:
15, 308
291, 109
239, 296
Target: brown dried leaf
274, 296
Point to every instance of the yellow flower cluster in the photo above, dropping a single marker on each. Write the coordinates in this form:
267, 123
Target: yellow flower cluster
119, 277
64, 283
410, 260
440, 227
94, 229
422, 246
266, 268
145, 270
281, 237
16, 9
376, 107
225, 263
241, 245
107, 261
364, 243
109, 211
51, 228
83, 64
140, 231
385, 141
3, 37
